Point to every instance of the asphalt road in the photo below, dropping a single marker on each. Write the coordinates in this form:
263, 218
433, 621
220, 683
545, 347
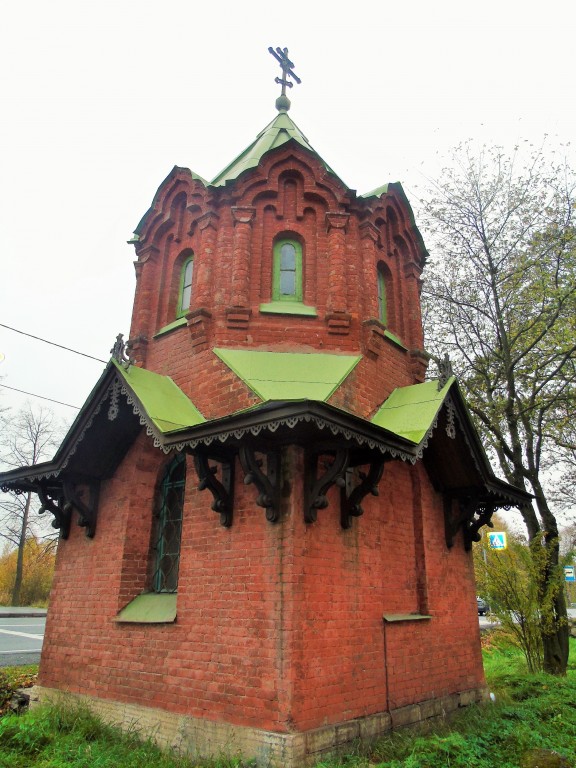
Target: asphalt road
21, 639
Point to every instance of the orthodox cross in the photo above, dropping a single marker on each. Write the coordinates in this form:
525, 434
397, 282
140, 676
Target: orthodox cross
281, 56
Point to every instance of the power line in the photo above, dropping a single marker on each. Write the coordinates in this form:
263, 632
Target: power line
53, 343
22, 391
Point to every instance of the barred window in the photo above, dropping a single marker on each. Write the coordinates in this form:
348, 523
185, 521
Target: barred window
169, 526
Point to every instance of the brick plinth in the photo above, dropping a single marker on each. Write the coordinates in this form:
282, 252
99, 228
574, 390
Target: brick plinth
208, 739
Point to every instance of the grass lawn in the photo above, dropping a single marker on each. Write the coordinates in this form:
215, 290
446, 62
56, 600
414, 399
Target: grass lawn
532, 716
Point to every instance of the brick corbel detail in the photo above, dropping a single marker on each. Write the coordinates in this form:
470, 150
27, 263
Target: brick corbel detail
374, 338
338, 323
419, 360
199, 323
337, 318
238, 317
204, 263
136, 348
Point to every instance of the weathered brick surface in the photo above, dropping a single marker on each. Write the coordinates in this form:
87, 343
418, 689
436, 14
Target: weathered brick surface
201, 737
279, 626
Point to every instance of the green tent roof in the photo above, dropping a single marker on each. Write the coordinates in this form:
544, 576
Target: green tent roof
289, 375
411, 411
276, 133
164, 403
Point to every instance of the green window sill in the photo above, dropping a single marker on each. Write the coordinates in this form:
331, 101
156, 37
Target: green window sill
149, 608
288, 308
171, 327
396, 617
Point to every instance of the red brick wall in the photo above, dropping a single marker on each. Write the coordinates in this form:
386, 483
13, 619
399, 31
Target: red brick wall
279, 625
232, 233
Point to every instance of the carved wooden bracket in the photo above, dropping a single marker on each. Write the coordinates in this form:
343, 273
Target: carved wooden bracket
222, 490
87, 511
472, 527
62, 501
471, 516
351, 497
317, 487
53, 502
267, 483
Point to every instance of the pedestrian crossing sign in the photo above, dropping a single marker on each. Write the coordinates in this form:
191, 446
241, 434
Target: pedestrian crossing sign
497, 540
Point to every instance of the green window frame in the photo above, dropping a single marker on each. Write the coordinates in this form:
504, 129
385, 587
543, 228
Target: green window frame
382, 308
168, 532
185, 290
287, 271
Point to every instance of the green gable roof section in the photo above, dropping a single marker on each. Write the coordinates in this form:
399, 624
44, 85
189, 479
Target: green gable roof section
383, 190
281, 130
160, 399
410, 412
289, 375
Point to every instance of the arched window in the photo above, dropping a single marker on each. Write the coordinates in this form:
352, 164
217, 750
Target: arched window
170, 504
185, 294
382, 308
287, 274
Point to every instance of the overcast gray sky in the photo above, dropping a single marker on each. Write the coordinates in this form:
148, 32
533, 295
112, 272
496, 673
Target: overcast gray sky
99, 100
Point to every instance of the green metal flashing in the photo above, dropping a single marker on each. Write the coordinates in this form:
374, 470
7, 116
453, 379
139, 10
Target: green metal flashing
394, 617
163, 402
171, 327
289, 375
377, 192
150, 608
288, 308
276, 133
409, 412
395, 339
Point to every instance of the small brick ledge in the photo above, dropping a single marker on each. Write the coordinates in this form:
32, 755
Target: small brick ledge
205, 738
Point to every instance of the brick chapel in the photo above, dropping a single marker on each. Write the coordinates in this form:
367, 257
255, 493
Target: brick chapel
265, 511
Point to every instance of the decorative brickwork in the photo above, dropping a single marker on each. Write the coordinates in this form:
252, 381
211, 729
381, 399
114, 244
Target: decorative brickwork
318, 601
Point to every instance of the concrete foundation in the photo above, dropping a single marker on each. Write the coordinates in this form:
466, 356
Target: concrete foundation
205, 738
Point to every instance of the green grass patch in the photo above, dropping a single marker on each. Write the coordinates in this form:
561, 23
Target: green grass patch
532, 715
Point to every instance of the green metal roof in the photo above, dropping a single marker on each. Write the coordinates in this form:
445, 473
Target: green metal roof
377, 192
289, 375
276, 133
411, 411
164, 403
